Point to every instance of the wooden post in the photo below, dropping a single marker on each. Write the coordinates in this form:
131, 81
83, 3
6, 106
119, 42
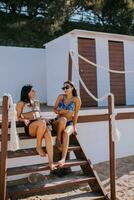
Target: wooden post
69, 68
111, 153
4, 140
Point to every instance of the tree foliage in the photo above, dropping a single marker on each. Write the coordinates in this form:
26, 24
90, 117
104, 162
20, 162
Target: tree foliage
33, 22
113, 15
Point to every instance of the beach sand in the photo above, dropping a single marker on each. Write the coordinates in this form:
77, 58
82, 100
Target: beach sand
124, 177
124, 183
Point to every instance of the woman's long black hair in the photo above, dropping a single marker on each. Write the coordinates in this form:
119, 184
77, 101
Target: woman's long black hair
74, 91
24, 93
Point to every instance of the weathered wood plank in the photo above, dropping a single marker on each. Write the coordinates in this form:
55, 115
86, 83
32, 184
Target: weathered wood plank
42, 167
30, 188
33, 152
3, 155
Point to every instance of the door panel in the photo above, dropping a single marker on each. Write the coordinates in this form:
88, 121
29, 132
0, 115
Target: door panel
86, 48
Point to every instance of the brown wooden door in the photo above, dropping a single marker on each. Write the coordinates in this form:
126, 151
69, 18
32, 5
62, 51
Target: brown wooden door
86, 47
117, 81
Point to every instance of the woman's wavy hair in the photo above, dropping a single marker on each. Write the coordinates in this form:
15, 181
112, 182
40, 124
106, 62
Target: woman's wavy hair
24, 93
74, 91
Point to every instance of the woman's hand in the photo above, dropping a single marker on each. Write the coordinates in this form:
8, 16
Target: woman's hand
62, 111
26, 121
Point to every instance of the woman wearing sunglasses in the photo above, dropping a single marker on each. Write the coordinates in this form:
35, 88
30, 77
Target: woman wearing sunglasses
28, 112
66, 107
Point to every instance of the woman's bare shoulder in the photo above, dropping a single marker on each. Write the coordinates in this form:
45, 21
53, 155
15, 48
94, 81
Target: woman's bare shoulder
77, 99
60, 96
20, 104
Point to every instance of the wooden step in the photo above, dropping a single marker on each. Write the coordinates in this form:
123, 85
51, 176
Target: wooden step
42, 167
33, 152
18, 124
87, 169
46, 185
24, 136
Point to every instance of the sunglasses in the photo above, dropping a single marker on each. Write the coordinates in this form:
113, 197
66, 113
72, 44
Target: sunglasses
66, 87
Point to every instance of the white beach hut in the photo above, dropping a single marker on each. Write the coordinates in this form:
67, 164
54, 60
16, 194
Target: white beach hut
112, 51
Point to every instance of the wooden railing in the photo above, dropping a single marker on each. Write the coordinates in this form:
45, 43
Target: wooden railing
95, 184
3, 155
111, 153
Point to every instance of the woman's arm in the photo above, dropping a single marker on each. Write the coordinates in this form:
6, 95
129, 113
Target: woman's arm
56, 110
19, 108
76, 111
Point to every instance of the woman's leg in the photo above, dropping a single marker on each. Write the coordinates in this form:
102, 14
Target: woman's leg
60, 126
38, 129
66, 133
49, 148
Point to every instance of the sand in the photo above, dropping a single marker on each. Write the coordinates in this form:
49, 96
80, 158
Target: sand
124, 177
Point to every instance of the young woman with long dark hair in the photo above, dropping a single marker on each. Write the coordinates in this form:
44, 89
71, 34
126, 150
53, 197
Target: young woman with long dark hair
28, 111
66, 107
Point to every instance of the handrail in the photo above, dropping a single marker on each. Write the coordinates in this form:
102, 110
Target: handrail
4, 140
111, 153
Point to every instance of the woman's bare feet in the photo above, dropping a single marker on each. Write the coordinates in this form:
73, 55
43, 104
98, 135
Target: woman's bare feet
61, 163
40, 152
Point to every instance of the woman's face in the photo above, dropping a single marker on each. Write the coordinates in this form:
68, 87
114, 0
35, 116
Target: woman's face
32, 93
67, 89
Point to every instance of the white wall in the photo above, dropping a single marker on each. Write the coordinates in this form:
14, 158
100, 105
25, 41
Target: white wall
56, 66
129, 65
94, 136
102, 59
94, 140
20, 66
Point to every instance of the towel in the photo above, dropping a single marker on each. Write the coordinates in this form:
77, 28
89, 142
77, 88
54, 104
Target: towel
14, 139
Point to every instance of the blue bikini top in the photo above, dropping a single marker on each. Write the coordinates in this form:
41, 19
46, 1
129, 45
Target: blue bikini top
69, 106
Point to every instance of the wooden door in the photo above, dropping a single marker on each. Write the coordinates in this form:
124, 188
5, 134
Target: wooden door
86, 47
116, 62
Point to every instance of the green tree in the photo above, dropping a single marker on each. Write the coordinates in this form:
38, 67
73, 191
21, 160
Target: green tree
113, 15
33, 22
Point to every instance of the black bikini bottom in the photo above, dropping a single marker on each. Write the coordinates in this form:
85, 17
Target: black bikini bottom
26, 128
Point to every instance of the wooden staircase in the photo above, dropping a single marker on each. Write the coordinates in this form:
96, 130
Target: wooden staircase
88, 174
